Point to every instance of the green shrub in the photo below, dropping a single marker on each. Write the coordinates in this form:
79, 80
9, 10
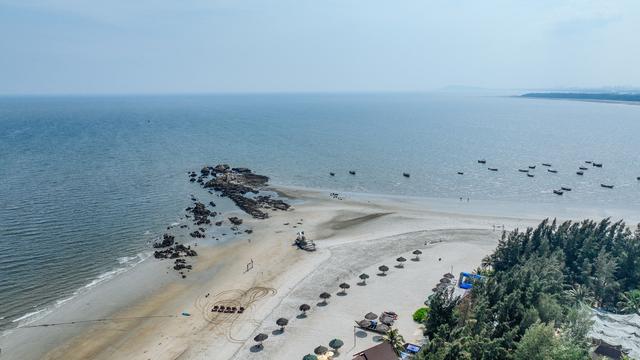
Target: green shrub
421, 315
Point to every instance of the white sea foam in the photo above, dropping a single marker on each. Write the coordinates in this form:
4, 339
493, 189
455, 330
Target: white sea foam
130, 261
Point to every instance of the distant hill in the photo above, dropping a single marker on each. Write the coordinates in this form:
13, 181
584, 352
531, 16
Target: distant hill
635, 97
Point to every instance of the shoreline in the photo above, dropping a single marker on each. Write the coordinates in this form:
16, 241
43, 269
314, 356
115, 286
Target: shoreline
371, 218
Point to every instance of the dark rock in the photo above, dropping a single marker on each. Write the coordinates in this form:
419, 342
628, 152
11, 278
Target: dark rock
167, 240
218, 223
235, 220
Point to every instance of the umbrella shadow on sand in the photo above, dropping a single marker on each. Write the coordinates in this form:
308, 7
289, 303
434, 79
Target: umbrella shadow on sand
256, 348
361, 334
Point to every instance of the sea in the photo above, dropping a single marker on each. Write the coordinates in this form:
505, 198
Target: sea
88, 182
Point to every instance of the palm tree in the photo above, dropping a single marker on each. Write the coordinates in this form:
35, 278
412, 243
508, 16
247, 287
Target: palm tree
364, 278
310, 357
630, 302
579, 294
396, 340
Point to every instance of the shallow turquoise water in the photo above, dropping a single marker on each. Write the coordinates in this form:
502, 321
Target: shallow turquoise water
86, 182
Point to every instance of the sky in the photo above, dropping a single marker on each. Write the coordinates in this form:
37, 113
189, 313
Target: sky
229, 46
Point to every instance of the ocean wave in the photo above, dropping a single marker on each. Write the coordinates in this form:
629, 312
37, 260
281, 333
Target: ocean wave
130, 261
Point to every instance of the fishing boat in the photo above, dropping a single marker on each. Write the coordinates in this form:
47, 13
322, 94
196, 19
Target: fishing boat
638, 178
532, 167
530, 175
352, 172
558, 192
607, 186
460, 173
546, 164
580, 173
552, 171
493, 169
523, 170
332, 174
406, 175
482, 161
582, 168
597, 165
588, 162
565, 188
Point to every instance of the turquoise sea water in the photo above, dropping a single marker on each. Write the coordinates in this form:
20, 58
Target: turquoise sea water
86, 182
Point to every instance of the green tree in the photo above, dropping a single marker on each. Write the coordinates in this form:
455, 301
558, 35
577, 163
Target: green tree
630, 302
396, 340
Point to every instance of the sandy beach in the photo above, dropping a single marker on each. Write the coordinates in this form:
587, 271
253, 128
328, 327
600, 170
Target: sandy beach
138, 315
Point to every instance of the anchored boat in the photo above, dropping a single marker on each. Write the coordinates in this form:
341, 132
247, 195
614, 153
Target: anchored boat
558, 192
607, 186
552, 171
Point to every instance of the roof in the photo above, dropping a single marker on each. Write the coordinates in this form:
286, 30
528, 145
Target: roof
609, 351
382, 351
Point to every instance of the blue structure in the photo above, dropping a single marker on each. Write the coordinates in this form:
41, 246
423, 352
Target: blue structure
466, 280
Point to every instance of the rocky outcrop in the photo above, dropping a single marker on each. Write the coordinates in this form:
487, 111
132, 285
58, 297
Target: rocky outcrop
235, 220
167, 240
174, 252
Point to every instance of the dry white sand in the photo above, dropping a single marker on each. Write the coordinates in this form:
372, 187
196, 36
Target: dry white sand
353, 235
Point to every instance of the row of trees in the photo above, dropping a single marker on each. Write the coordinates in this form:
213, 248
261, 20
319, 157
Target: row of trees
534, 302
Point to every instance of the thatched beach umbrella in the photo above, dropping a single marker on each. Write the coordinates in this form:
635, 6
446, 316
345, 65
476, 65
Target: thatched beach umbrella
304, 308
364, 278
310, 357
364, 323
260, 338
336, 344
371, 316
282, 322
417, 253
383, 269
320, 350
448, 275
401, 260
344, 287
445, 281
325, 296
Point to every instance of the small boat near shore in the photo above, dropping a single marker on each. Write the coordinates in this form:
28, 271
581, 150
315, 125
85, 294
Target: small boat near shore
607, 186
582, 168
565, 188
588, 162
530, 175
493, 169
552, 171
638, 178
332, 174
558, 192
532, 167
460, 173
546, 164
482, 161
598, 165
406, 175
579, 173
523, 170
352, 172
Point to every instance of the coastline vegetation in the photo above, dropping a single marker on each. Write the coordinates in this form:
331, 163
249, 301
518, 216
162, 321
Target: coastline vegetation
535, 300
586, 96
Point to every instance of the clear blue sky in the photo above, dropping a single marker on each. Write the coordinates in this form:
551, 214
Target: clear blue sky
177, 46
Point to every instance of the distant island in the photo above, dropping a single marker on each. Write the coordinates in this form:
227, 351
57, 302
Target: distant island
635, 97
